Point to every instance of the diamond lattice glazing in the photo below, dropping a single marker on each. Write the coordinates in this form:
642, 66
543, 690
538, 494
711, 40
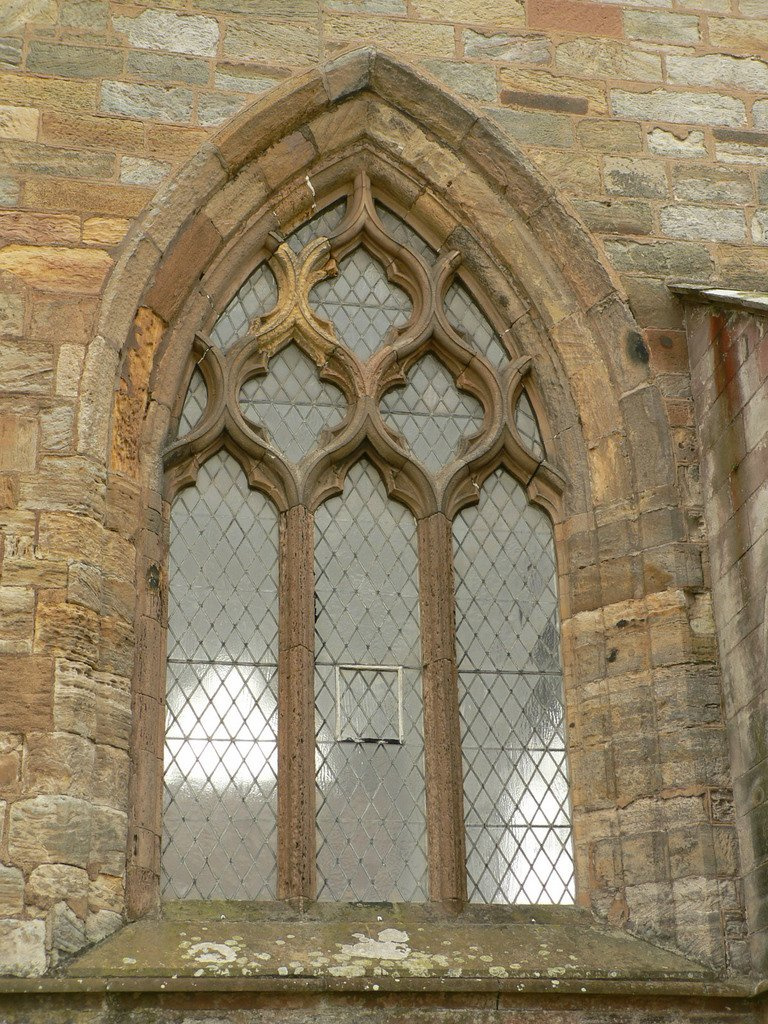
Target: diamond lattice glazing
404, 234
292, 402
371, 796
220, 799
510, 688
361, 303
195, 402
463, 312
323, 223
528, 427
256, 297
431, 413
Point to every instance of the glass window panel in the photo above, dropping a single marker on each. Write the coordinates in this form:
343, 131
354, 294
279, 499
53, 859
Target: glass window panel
292, 402
371, 797
323, 223
404, 234
361, 303
511, 700
256, 297
431, 413
220, 795
528, 427
463, 312
195, 402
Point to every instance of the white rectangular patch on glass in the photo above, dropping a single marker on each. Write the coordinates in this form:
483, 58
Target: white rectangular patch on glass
369, 703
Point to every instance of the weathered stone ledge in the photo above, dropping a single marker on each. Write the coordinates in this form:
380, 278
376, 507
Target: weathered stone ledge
735, 298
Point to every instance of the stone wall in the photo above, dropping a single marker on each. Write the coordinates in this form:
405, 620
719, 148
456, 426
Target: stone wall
729, 361
649, 124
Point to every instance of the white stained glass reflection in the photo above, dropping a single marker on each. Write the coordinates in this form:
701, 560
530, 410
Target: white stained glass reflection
361, 303
292, 402
528, 427
322, 224
195, 402
256, 297
463, 312
220, 791
431, 413
511, 699
371, 817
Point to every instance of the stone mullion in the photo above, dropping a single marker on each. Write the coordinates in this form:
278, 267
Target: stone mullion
442, 736
296, 871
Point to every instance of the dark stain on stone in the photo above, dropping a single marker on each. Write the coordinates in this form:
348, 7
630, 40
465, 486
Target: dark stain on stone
613, 655
636, 347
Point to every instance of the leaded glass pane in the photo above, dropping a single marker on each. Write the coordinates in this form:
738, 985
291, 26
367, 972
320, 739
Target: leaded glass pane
371, 795
292, 402
220, 796
195, 402
431, 413
463, 312
361, 303
404, 234
323, 223
256, 297
528, 427
511, 699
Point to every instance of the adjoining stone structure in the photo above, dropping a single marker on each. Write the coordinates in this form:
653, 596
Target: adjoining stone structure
619, 148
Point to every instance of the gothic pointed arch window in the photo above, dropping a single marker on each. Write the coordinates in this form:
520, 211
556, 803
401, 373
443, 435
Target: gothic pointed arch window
364, 687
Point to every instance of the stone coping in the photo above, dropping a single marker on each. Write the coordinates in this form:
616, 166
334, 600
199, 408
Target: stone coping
378, 948
754, 301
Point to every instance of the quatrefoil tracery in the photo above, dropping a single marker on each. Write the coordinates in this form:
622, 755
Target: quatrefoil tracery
387, 356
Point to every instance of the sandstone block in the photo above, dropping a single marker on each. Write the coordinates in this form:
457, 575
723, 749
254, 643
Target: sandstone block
16, 619
108, 841
22, 947
85, 197
678, 107
105, 230
600, 58
113, 709
74, 699
147, 102
58, 763
609, 136
473, 80
138, 171
166, 30
718, 69
10, 51
425, 38
574, 94
563, 15
296, 44
664, 143
19, 123
67, 930
18, 443
505, 12
35, 158
69, 61
107, 892
49, 830
11, 891
87, 130
507, 47
617, 216
53, 883
213, 109
242, 78
60, 269
48, 93
101, 924
660, 259
535, 127
38, 229
11, 313
635, 177
703, 222
736, 35
166, 68
662, 27
26, 367
712, 185
85, 15
759, 227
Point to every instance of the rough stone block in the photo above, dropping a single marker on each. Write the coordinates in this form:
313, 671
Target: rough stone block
67, 930
58, 763
593, 19
18, 443
662, 27
507, 47
49, 830
19, 123
147, 102
678, 107
281, 45
166, 30
59, 269
213, 110
535, 127
22, 947
685, 145
11, 891
599, 58
635, 177
703, 222
745, 73
53, 883
69, 61
609, 136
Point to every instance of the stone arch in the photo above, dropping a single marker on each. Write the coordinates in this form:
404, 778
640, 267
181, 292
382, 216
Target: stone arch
455, 174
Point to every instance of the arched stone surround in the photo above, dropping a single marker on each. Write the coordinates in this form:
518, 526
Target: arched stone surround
650, 783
